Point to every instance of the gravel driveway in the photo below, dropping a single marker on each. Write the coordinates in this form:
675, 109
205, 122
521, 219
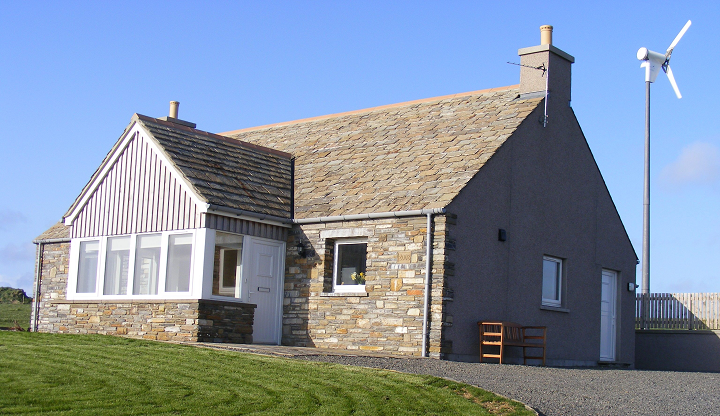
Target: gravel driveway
571, 392
550, 391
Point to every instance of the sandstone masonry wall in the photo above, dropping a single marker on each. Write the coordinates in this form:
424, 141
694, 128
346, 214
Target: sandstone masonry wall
176, 320
388, 316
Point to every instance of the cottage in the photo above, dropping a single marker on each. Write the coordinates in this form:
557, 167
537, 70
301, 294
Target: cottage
391, 229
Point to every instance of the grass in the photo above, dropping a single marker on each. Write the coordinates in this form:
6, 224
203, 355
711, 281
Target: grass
12, 312
95, 374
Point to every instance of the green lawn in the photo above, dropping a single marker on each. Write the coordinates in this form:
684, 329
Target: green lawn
11, 312
94, 374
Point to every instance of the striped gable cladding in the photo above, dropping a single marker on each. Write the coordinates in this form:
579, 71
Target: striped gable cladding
162, 176
408, 156
137, 193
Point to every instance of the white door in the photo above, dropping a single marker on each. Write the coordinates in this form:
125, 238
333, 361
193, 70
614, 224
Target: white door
265, 288
607, 315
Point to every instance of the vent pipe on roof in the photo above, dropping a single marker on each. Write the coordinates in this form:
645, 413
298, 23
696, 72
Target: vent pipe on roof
174, 108
173, 117
546, 35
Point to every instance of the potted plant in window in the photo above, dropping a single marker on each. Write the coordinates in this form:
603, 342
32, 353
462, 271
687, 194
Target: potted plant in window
358, 278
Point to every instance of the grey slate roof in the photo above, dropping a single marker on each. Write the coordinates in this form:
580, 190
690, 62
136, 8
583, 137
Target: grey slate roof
406, 156
226, 172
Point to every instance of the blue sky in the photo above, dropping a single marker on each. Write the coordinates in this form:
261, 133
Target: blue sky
73, 73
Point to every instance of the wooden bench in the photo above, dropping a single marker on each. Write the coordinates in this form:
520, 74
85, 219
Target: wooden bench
510, 334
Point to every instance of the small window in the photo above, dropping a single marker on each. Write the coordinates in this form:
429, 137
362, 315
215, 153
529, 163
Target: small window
179, 262
552, 281
87, 266
349, 270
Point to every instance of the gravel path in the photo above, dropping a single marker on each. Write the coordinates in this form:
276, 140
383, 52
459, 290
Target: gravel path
571, 392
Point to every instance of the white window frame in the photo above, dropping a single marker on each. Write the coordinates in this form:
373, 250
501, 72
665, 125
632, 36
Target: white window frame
159, 265
75, 255
557, 303
196, 255
347, 288
230, 291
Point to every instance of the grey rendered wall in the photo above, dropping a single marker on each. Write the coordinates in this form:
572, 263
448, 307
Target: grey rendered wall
677, 350
544, 188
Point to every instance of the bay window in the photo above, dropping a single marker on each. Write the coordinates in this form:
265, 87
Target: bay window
155, 265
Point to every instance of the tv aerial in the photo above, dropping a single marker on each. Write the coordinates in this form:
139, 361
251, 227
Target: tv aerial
652, 62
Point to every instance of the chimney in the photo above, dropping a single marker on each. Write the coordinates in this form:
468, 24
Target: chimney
173, 117
174, 105
556, 65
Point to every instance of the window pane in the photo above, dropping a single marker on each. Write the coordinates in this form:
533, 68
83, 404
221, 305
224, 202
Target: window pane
117, 264
87, 267
351, 260
551, 280
178, 266
230, 259
147, 262
227, 270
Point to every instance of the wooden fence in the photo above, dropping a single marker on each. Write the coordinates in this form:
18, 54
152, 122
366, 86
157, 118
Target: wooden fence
678, 311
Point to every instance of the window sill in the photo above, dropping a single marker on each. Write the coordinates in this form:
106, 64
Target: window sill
343, 294
554, 308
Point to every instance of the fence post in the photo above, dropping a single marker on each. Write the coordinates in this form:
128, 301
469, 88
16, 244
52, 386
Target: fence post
644, 310
691, 314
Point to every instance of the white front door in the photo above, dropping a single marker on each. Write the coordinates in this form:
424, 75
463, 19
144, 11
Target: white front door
265, 288
607, 315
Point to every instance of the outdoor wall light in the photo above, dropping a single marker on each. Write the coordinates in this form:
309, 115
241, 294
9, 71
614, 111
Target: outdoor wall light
303, 252
631, 287
502, 235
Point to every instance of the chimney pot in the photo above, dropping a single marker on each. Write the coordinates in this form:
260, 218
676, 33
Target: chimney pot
546, 35
174, 108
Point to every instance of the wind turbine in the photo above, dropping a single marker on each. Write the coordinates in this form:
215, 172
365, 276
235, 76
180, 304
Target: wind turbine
652, 62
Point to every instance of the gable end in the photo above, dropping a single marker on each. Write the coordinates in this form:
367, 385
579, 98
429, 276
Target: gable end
136, 190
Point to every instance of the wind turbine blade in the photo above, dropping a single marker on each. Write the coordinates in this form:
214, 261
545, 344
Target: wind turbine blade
677, 38
672, 81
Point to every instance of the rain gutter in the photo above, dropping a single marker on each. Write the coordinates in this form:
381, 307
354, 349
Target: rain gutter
371, 216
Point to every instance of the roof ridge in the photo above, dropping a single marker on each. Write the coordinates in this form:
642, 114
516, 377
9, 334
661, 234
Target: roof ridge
370, 109
225, 139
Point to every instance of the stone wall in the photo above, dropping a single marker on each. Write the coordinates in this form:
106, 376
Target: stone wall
225, 322
176, 320
165, 321
55, 259
388, 316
